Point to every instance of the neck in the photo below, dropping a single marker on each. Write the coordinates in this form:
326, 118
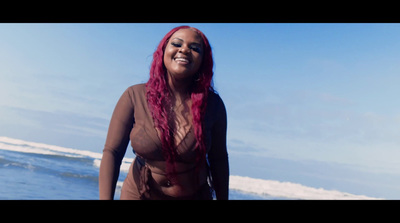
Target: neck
180, 89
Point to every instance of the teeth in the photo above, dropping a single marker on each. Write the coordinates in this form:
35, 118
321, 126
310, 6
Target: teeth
181, 59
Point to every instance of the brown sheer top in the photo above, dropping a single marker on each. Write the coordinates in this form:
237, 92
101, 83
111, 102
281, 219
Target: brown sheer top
132, 121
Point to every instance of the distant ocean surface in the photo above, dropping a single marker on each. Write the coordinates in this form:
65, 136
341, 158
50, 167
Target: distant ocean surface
30, 170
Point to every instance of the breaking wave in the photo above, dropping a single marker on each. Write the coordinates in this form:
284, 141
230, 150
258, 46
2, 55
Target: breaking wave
260, 187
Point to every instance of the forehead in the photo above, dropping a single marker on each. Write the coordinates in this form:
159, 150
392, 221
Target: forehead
187, 35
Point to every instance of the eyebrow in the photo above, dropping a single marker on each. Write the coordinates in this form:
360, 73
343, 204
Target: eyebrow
196, 43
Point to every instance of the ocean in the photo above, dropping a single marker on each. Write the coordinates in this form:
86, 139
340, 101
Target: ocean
37, 171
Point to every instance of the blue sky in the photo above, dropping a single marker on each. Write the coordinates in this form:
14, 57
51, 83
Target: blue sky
317, 93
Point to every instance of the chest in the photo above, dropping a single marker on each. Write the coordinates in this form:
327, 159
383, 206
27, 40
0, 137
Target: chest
146, 142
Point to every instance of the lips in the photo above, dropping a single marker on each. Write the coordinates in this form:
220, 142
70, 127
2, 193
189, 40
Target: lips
182, 60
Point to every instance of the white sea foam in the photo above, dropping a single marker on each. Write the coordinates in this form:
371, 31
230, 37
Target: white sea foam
41, 148
23, 146
290, 190
19, 148
268, 188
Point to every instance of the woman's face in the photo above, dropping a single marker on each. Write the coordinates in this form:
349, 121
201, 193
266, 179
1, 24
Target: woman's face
183, 54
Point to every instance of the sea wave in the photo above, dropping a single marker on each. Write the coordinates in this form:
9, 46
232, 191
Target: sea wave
272, 188
41, 148
23, 146
261, 187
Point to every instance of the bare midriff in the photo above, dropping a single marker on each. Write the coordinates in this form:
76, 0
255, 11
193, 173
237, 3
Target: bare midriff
185, 176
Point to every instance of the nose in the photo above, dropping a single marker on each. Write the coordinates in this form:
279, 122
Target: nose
184, 49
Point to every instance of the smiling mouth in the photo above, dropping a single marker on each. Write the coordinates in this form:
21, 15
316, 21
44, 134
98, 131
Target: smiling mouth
181, 60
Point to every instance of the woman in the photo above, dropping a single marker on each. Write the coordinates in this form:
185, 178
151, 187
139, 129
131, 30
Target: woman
176, 124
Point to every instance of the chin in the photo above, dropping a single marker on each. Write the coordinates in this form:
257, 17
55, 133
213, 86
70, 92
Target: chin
182, 75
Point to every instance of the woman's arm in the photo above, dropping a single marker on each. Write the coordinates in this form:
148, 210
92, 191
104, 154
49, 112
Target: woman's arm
115, 147
218, 155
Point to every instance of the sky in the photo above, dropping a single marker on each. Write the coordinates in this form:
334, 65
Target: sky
312, 95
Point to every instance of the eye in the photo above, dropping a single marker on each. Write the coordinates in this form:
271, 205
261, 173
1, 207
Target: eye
176, 44
195, 48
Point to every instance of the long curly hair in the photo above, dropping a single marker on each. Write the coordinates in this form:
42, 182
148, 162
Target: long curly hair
159, 100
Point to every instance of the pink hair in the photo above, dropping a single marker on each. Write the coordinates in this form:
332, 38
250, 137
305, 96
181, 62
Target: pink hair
158, 98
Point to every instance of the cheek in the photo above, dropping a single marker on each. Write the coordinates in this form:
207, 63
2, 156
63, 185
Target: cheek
168, 52
165, 58
198, 60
